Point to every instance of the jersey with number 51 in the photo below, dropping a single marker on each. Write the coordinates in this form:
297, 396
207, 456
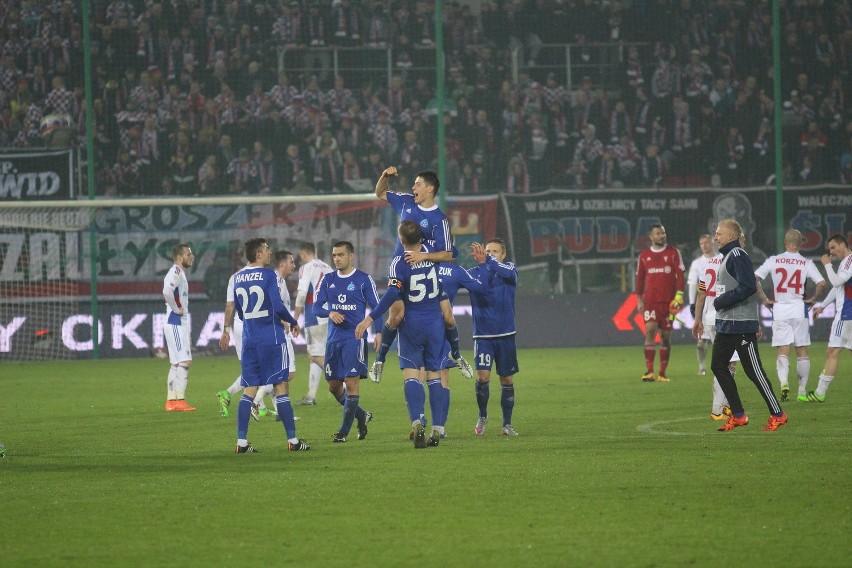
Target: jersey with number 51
258, 303
418, 284
789, 271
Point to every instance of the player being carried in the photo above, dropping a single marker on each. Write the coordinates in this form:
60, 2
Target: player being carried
420, 207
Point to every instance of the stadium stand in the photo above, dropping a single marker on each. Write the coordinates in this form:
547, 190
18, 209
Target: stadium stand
204, 97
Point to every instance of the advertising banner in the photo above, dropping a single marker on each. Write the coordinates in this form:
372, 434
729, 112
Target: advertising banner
36, 176
612, 225
44, 253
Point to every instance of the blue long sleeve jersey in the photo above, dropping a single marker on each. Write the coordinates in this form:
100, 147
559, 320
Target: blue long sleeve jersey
740, 268
417, 285
494, 309
350, 295
259, 305
453, 277
433, 222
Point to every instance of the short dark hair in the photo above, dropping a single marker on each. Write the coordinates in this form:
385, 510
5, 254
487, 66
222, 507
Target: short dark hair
281, 256
654, 226
178, 249
345, 244
252, 246
499, 241
308, 247
431, 178
839, 239
410, 233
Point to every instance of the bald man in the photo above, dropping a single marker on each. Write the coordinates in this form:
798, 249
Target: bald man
738, 327
790, 272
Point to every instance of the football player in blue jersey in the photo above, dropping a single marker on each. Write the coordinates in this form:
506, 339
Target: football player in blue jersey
494, 329
342, 297
265, 358
418, 206
421, 334
452, 277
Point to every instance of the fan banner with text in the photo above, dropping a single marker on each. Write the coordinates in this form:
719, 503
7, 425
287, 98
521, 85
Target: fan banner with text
613, 225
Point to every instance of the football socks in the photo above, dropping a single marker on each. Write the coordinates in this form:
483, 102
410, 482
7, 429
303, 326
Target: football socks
415, 398
285, 412
507, 402
482, 395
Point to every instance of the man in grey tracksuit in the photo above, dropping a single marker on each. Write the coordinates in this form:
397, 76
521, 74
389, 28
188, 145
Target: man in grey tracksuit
737, 328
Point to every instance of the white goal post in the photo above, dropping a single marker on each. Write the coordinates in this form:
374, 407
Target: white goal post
52, 253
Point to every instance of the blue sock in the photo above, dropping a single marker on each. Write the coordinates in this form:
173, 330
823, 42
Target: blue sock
243, 416
360, 413
482, 394
446, 413
452, 335
507, 401
388, 335
285, 411
349, 408
415, 398
436, 401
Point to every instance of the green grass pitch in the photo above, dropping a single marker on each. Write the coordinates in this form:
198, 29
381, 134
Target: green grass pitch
607, 471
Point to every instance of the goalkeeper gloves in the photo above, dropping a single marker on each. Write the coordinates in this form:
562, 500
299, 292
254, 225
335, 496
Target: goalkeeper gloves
676, 305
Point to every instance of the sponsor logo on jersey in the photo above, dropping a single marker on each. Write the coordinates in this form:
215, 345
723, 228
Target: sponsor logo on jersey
341, 298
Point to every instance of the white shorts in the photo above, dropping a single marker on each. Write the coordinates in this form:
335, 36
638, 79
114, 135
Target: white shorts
177, 340
291, 353
841, 333
237, 335
791, 332
315, 338
710, 333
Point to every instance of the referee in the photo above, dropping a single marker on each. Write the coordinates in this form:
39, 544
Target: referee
738, 327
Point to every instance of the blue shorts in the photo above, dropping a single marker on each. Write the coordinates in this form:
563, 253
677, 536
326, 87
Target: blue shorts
499, 350
267, 365
421, 343
346, 358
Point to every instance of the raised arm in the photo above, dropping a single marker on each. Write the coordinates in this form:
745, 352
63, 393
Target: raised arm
382, 184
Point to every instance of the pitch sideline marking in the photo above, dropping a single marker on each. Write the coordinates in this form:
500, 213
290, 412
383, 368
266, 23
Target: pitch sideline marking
648, 428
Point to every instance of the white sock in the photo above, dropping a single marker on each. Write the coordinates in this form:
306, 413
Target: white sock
262, 392
803, 370
782, 365
242, 443
170, 383
314, 375
824, 381
719, 399
180, 382
701, 351
235, 387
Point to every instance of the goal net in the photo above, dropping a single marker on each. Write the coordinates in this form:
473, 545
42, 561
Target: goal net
53, 254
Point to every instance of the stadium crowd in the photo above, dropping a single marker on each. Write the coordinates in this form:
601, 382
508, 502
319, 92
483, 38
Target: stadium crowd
188, 98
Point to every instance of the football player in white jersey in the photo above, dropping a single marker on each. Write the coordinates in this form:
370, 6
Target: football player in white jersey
696, 272
841, 327
176, 329
316, 329
789, 272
